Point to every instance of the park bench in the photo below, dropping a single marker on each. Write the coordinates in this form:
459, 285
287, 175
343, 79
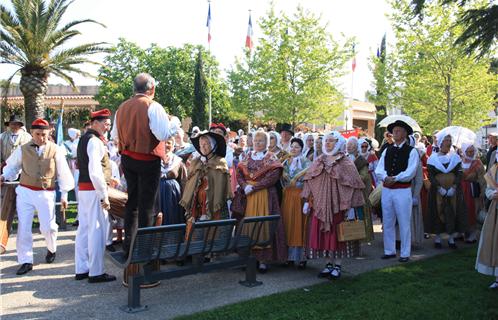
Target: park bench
231, 242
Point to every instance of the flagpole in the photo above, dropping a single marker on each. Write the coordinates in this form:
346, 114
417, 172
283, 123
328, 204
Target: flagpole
209, 74
353, 67
249, 87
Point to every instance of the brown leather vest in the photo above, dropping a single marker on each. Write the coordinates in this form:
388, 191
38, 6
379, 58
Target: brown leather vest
133, 126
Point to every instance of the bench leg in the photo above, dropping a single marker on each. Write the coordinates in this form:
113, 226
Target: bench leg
134, 295
250, 280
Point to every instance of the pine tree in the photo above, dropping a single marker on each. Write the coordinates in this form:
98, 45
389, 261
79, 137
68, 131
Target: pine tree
200, 84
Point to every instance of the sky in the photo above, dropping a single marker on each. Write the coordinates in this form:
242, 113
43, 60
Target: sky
174, 23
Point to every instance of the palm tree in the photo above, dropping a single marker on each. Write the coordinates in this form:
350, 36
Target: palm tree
32, 38
481, 25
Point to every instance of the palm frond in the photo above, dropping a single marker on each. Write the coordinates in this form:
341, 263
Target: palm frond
481, 30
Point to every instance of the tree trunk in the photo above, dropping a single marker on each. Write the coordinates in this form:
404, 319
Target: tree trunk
33, 86
449, 115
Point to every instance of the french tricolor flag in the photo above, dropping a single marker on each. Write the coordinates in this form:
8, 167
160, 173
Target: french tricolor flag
208, 24
249, 34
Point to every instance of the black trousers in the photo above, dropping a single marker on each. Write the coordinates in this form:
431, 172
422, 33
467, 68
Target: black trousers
142, 178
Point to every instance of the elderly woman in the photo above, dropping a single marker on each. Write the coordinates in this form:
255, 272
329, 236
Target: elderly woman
275, 146
173, 179
318, 147
309, 146
417, 223
182, 149
208, 186
332, 189
364, 213
366, 151
257, 176
473, 185
292, 205
447, 211
487, 254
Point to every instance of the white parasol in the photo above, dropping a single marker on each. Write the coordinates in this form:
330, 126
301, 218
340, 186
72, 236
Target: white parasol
395, 117
458, 134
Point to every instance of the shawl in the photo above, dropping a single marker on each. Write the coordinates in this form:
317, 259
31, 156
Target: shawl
335, 186
270, 162
436, 162
218, 191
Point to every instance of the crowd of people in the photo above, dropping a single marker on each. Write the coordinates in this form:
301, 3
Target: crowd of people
315, 181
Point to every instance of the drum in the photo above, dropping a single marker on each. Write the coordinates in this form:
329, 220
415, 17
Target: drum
117, 199
7, 214
133, 268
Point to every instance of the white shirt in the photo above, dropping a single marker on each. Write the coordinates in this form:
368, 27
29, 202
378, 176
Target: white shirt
162, 128
64, 176
403, 176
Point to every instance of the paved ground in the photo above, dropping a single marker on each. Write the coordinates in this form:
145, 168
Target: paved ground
50, 291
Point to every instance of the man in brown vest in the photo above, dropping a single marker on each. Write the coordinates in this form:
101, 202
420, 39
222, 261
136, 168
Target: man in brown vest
40, 162
140, 124
93, 201
10, 140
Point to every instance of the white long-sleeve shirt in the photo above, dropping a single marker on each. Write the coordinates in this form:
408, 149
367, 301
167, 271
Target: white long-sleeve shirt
160, 125
96, 150
404, 176
64, 176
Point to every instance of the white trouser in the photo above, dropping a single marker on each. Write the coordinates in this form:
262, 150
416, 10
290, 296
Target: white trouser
91, 235
397, 205
110, 231
44, 203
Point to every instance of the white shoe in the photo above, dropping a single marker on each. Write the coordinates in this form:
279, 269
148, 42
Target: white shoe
494, 285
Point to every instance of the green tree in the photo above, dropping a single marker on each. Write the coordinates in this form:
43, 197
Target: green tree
34, 39
293, 73
199, 117
433, 80
480, 24
379, 96
173, 67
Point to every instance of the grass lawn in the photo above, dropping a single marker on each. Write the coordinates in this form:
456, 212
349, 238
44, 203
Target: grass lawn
71, 213
442, 287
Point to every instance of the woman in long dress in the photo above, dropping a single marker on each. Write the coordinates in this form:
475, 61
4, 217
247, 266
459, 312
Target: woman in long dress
487, 254
173, 179
363, 213
332, 189
417, 223
257, 176
208, 185
473, 185
447, 210
292, 204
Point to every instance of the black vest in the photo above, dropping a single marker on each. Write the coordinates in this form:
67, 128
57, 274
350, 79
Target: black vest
396, 159
82, 157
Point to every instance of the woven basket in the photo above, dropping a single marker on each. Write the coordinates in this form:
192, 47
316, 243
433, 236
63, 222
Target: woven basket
351, 230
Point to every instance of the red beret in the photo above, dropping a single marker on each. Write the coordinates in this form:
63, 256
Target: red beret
100, 114
40, 124
220, 126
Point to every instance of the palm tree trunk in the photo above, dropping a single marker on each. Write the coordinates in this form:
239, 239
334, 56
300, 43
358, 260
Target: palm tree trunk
33, 86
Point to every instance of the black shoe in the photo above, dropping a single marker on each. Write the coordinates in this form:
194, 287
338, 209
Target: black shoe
50, 257
110, 248
326, 271
471, 241
302, 265
25, 268
452, 245
81, 276
288, 264
102, 278
262, 268
76, 223
404, 259
388, 256
438, 245
336, 272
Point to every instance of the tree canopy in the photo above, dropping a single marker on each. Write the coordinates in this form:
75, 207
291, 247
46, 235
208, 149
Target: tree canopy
292, 75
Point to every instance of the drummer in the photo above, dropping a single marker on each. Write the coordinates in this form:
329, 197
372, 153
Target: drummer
93, 200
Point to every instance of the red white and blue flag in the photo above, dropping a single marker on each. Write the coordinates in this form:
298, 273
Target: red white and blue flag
353, 63
208, 24
249, 34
